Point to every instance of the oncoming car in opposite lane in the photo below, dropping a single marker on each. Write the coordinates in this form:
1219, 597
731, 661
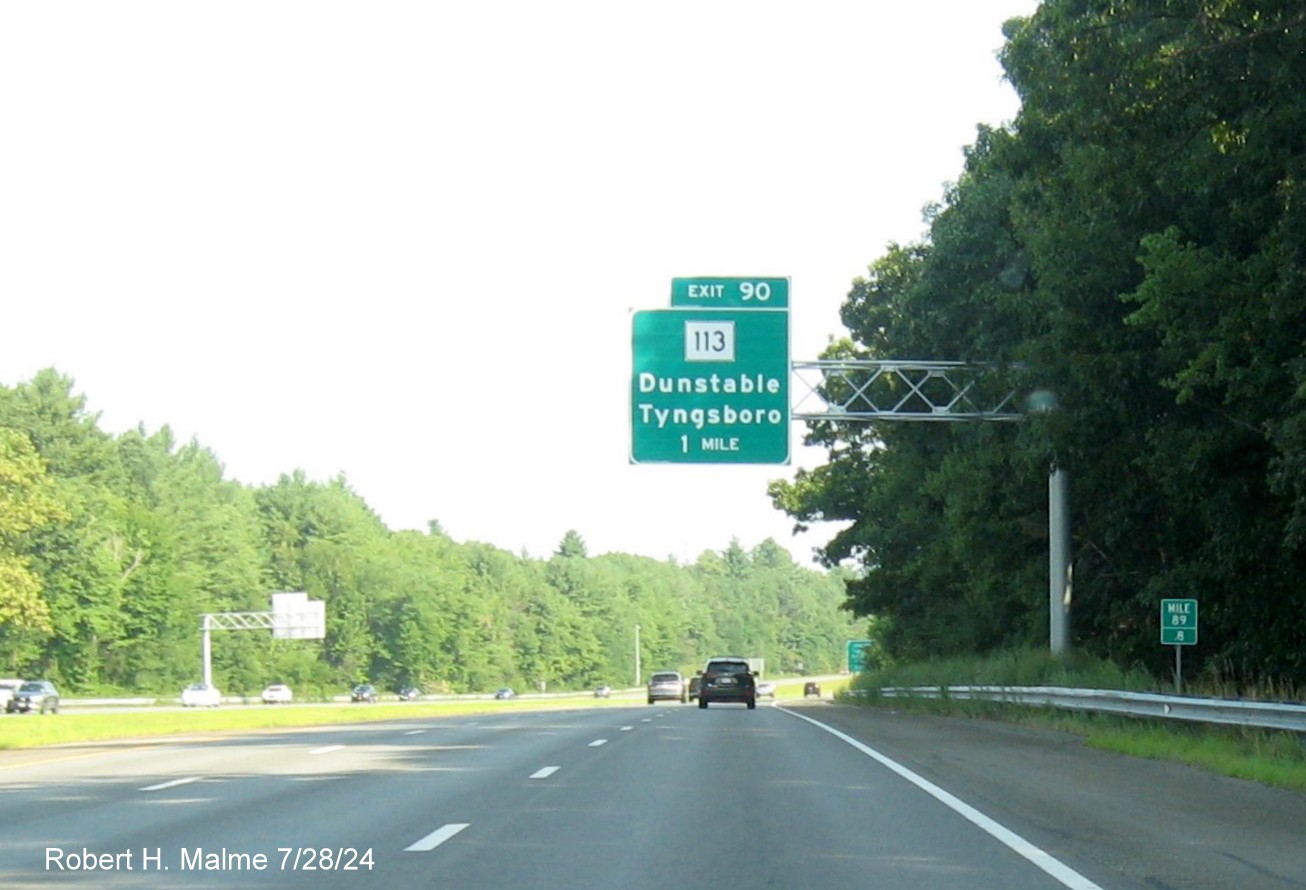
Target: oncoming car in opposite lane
667, 686
277, 694
201, 695
34, 695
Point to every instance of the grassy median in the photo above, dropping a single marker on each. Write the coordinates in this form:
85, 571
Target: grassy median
72, 725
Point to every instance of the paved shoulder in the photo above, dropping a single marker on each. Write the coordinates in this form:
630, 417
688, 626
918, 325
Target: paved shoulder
1155, 823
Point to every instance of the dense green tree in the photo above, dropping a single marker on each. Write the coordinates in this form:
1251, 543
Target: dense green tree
123, 543
192, 545
80, 558
26, 504
572, 544
1132, 245
328, 543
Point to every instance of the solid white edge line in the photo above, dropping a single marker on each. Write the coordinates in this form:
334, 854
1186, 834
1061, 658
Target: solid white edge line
172, 784
1063, 873
436, 838
545, 772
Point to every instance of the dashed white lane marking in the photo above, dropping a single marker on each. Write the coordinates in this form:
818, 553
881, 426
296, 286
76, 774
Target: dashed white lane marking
436, 838
598, 743
327, 749
172, 784
1063, 873
627, 728
415, 732
545, 772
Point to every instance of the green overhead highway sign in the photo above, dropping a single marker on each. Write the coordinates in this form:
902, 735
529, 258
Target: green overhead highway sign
1178, 622
730, 293
710, 386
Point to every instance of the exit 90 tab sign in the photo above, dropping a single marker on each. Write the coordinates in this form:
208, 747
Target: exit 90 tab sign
730, 293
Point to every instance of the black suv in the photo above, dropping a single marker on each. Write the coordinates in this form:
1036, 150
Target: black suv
364, 692
727, 679
34, 695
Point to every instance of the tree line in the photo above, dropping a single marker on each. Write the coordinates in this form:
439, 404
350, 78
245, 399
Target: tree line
112, 547
1130, 247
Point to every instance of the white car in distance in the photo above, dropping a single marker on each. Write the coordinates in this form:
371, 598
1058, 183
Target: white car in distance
8, 688
200, 695
278, 694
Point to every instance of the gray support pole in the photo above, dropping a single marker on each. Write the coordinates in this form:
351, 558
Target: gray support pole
1059, 567
636, 654
208, 652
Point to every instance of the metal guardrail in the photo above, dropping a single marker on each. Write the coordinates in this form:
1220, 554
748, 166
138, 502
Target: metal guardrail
92, 703
1233, 712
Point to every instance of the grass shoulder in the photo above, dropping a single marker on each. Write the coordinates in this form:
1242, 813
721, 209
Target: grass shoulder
1270, 757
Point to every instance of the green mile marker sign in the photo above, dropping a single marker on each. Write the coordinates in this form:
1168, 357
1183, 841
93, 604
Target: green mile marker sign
1179, 622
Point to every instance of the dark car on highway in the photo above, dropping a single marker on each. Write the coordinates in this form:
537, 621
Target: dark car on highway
727, 679
364, 692
34, 695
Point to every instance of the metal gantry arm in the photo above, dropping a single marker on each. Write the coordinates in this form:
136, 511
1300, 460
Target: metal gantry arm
247, 621
871, 389
853, 390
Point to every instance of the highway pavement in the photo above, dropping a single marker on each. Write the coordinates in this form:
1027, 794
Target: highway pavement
668, 796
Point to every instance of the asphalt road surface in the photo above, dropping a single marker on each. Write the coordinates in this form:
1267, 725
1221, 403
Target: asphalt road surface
803, 795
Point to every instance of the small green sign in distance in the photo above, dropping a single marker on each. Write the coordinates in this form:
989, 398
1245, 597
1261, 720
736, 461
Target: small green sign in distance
730, 293
859, 655
1179, 622
709, 386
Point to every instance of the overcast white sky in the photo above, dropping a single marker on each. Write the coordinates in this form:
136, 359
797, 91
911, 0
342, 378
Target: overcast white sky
402, 240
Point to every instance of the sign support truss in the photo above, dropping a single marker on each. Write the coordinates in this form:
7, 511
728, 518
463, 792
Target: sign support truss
872, 389
858, 390
293, 617
251, 621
